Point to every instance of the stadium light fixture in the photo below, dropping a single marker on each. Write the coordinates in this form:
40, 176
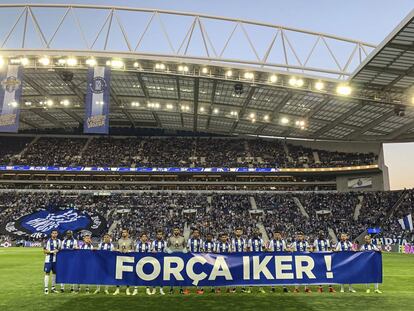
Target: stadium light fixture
22, 61
160, 66
91, 62
202, 109
14, 104
296, 82
136, 65
169, 106
344, 90
233, 113
215, 110
253, 120
228, 73
156, 105
45, 61
65, 102
101, 103
135, 104
252, 115
28, 103
61, 61
273, 79
71, 61
204, 70
49, 103
284, 120
183, 68
266, 117
115, 63
319, 85
249, 75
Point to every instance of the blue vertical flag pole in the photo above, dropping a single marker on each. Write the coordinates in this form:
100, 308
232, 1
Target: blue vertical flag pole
10, 93
97, 101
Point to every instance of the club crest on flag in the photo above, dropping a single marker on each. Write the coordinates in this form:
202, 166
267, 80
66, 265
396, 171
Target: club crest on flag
98, 85
11, 84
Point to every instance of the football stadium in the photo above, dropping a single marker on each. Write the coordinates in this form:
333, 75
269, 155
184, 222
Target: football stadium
162, 159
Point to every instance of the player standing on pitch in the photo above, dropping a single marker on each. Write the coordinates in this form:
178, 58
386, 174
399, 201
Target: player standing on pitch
125, 245
50, 249
322, 244
69, 243
143, 246
344, 245
159, 246
105, 245
176, 243
195, 245
222, 247
368, 246
277, 244
256, 244
238, 245
300, 245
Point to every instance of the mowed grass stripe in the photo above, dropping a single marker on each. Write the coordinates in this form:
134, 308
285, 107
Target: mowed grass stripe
21, 288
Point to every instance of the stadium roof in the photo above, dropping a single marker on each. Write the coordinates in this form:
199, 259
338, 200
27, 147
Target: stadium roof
233, 84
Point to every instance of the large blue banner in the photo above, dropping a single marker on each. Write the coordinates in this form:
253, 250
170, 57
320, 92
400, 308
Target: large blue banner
10, 93
41, 223
187, 269
97, 101
139, 169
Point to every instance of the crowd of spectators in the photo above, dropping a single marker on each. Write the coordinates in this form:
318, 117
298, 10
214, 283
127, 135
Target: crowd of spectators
223, 212
170, 151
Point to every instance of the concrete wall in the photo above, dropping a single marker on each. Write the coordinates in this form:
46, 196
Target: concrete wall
363, 147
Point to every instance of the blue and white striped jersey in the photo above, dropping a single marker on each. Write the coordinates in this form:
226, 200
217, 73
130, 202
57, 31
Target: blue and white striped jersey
105, 246
238, 245
195, 245
69, 244
344, 246
222, 247
369, 247
300, 246
208, 246
256, 245
51, 245
143, 247
277, 245
87, 246
158, 246
322, 245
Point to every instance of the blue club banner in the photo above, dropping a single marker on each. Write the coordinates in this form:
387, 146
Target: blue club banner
97, 101
40, 224
10, 93
139, 169
202, 269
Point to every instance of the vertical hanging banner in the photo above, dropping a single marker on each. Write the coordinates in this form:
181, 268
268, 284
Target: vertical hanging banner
10, 93
97, 101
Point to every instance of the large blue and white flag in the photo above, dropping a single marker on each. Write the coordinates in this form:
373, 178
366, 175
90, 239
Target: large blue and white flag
10, 93
97, 101
406, 223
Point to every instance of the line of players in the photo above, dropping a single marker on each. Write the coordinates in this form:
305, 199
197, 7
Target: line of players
196, 245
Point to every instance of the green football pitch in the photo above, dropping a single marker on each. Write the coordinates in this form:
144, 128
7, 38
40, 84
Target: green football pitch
21, 288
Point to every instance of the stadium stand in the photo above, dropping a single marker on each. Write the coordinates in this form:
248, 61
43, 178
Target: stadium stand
217, 212
173, 151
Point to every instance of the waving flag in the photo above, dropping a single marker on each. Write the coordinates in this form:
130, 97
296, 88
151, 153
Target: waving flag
406, 223
97, 101
10, 92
